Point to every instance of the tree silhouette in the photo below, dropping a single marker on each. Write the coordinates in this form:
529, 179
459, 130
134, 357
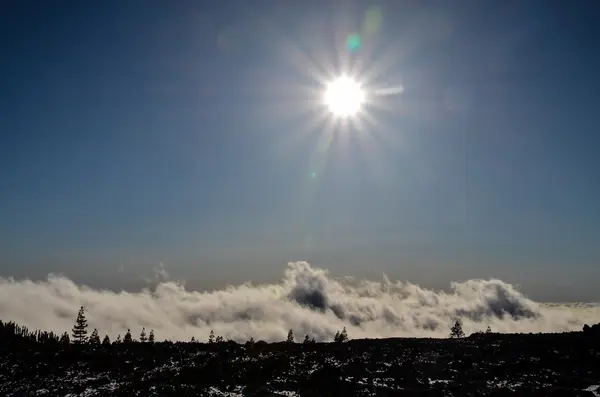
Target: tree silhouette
219, 339
94, 338
456, 331
64, 339
118, 340
80, 328
211, 336
193, 340
143, 337
290, 336
488, 330
151, 336
106, 340
343, 335
308, 339
128, 338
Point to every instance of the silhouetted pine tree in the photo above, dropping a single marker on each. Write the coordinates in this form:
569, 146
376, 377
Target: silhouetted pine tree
306, 339
211, 336
290, 337
94, 338
193, 340
64, 339
488, 330
80, 328
344, 335
341, 336
128, 338
151, 336
336, 338
456, 331
143, 337
106, 340
219, 339
118, 340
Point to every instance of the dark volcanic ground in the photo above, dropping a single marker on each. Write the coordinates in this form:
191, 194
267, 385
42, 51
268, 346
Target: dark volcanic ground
490, 364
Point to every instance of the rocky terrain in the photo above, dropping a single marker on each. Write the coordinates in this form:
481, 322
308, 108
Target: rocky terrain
566, 364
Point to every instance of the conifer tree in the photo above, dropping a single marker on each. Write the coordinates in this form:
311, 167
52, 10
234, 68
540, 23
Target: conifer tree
193, 340
344, 335
151, 336
219, 339
80, 328
143, 337
306, 339
127, 338
94, 338
211, 336
341, 336
64, 339
118, 340
336, 338
290, 336
488, 330
106, 340
456, 331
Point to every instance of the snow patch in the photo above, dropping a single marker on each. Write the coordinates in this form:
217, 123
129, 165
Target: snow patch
594, 390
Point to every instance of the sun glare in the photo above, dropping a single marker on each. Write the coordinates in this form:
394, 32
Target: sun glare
344, 97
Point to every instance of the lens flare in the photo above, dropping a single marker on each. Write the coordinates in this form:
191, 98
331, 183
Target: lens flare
353, 42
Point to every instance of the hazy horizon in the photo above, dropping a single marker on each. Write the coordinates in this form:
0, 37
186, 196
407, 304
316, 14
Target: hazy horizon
195, 134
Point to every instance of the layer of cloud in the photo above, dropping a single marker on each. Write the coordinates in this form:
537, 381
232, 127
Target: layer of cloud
307, 300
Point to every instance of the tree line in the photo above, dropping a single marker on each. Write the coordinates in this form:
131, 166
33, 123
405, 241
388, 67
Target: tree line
79, 334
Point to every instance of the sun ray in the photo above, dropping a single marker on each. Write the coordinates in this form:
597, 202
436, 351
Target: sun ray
341, 100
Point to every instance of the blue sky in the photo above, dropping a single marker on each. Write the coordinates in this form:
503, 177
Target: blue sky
186, 133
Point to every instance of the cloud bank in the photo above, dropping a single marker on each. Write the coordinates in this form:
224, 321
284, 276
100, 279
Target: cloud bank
307, 300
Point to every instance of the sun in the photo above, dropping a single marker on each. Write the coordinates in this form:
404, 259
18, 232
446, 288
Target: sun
344, 97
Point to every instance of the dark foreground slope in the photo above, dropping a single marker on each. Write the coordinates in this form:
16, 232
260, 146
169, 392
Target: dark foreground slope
540, 365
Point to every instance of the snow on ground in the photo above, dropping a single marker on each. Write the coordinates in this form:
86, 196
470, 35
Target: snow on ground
445, 381
594, 390
213, 391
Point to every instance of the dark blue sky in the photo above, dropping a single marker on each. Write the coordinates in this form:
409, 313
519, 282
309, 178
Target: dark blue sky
186, 132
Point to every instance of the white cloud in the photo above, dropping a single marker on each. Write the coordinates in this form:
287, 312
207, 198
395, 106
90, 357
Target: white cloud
306, 300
